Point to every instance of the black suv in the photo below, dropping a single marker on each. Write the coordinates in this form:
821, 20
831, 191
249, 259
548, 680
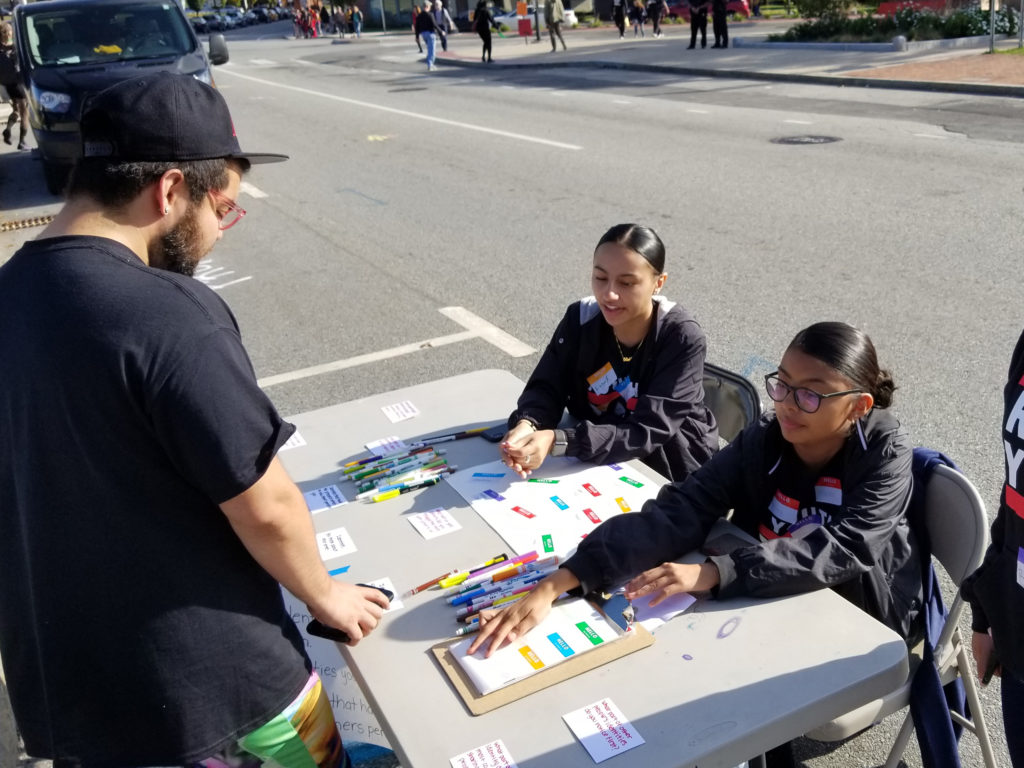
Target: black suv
71, 49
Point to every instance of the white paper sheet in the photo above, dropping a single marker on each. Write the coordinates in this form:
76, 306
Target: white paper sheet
334, 543
293, 442
400, 411
320, 499
433, 523
493, 755
603, 730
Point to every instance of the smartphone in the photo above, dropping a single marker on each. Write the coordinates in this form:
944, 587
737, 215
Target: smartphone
319, 629
723, 545
495, 433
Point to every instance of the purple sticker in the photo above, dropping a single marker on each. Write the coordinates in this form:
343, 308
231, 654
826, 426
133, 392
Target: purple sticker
494, 495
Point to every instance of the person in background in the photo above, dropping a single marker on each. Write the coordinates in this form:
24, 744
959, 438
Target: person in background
11, 82
426, 27
162, 639
357, 21
656, 11
637, 15
444, 23
619, 16
483, 21
996, 590
325, 20
720, 23
627, 364
822, 485
698, 23
554, 16
339, 22
415, 13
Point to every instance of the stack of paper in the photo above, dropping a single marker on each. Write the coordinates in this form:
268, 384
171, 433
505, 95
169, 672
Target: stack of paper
573, 627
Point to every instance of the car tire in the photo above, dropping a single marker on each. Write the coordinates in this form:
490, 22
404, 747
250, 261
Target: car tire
56, 177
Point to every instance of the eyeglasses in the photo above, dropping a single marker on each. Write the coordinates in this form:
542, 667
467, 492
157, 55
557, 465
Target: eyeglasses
807, 400
227, 218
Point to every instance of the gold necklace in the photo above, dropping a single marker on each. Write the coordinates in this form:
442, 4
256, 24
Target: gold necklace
622, 354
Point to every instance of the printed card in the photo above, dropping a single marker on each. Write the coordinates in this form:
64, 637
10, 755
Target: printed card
320, 499
433, 523
400, 411
334, 543
493, 755
387, 584
293, 442
603, 730
669, 608
387, 446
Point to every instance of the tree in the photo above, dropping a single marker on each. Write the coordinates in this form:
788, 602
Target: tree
195, 5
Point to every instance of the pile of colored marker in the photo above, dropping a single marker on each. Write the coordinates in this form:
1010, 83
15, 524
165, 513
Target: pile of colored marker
497, 587
379, 478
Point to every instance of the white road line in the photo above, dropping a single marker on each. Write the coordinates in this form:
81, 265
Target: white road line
405, 113
510, 345
799, 122
698, 111
476, 328
232, 282
262, 62
621, 101
372, 357
930, 136
251, 190
304, 63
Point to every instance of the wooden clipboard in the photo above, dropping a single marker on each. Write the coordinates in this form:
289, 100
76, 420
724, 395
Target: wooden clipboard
479, 704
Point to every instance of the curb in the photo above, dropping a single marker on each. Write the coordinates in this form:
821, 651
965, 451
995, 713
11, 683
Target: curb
952, 44
980, 89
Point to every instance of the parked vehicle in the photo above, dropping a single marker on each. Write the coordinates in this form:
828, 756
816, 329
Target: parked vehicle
682, 10
198, 23
71, 49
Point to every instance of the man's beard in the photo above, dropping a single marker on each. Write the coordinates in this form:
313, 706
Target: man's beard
179, 249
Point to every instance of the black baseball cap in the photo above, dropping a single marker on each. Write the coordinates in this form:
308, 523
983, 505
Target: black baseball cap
162, 117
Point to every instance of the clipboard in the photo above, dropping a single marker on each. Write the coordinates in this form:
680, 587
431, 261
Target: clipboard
637, 639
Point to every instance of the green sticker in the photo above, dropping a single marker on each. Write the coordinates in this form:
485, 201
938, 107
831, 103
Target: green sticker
541, 480
549, 543
631, 481
589, 633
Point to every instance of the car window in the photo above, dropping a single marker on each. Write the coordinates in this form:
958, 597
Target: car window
101, 33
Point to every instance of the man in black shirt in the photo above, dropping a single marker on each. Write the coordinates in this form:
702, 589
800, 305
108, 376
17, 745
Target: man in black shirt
145, 521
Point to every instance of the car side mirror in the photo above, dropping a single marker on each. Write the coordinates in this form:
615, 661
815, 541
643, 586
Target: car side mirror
218, 49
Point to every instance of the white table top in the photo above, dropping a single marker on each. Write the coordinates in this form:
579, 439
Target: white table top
724, 681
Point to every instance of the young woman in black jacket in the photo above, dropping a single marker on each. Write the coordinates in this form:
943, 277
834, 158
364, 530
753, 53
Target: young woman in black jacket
823, 484
627, 364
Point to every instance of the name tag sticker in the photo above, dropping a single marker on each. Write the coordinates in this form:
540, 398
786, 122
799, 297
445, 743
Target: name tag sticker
1020, 567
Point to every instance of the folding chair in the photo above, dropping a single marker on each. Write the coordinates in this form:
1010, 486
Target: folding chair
732, 399
958, 529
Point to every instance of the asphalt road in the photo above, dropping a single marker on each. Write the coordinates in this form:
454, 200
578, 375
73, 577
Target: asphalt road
407, 193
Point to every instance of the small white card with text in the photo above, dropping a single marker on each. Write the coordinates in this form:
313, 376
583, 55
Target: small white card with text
434, 523
334, 543
400, 411
603, 730
390, 587
493, 755
320, 499
293, 442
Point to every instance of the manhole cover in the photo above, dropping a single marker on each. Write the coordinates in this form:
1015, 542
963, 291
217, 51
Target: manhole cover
805, 140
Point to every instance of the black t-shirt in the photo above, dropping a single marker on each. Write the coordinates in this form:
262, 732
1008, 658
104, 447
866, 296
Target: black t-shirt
135, 628
802, 498
612, 389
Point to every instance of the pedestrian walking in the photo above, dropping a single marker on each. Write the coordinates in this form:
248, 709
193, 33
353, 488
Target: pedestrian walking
415, 13
444, 23
357, 21
637, 15
426, 27
619, 15
11, 83
720, 23
656, 11
325, 20
153, 630
339, 22
483, 21
554, 16
698, 23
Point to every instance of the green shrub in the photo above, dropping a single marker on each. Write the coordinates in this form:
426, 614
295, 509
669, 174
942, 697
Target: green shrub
823, 9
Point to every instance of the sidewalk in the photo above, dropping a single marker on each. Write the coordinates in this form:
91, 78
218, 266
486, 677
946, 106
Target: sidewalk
971, 70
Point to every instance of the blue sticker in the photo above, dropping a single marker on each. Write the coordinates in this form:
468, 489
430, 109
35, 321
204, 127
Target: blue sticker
488, 474
559, 503
494, 495
560, 644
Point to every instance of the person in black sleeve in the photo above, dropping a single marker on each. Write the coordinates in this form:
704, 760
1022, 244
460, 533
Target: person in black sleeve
698, 23
147, 524
720, 23
482, 23
627, 364
996, 590
656, 9
426, 28
619, 15
823, 484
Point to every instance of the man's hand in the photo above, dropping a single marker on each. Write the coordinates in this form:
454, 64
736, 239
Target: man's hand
354, 610
985, 657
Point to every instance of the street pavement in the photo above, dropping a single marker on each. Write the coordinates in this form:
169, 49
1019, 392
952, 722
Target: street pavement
903, 228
